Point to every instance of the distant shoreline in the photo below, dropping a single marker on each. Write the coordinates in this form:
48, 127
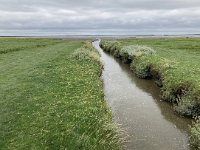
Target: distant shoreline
104, 36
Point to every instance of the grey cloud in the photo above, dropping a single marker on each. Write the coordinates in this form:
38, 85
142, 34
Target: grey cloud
141, 4
99, 14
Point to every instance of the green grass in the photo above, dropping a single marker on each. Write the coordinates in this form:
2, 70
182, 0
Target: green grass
175, 66
182, 55
184, 51
49, 99
13, 44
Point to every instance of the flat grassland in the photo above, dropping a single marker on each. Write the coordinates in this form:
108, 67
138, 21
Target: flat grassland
50, 99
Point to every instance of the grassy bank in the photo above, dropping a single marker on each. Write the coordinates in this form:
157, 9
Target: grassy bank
51, 96
173, 64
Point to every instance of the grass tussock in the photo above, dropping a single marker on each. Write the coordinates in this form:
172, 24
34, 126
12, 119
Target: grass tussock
134, 51
195, 134
87, 52
51, 100
178, 77
111, 47
151, 66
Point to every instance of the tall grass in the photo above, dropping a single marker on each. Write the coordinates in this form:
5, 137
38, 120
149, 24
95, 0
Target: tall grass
195, 132
87, 52
106, 133
136, 51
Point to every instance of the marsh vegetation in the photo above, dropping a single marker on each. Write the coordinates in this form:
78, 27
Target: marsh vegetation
173, 64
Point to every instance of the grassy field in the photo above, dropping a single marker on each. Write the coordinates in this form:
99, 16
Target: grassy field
51, 96
174, 64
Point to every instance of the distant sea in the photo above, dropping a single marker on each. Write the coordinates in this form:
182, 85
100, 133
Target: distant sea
95, 32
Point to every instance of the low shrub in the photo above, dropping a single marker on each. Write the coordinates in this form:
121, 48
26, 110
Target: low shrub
110, 46
186, 105
134, 51
126, 53
151, 66
87, 52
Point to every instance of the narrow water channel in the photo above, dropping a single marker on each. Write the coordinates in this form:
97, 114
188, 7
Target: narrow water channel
149, 122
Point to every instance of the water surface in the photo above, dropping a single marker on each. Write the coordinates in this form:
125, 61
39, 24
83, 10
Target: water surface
150, 123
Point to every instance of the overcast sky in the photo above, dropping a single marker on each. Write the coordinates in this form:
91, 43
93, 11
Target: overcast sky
100, 14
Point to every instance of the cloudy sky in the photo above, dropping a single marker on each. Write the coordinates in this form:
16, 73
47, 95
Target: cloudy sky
116, 15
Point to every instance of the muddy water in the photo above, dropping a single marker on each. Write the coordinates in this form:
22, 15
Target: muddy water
149, 122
